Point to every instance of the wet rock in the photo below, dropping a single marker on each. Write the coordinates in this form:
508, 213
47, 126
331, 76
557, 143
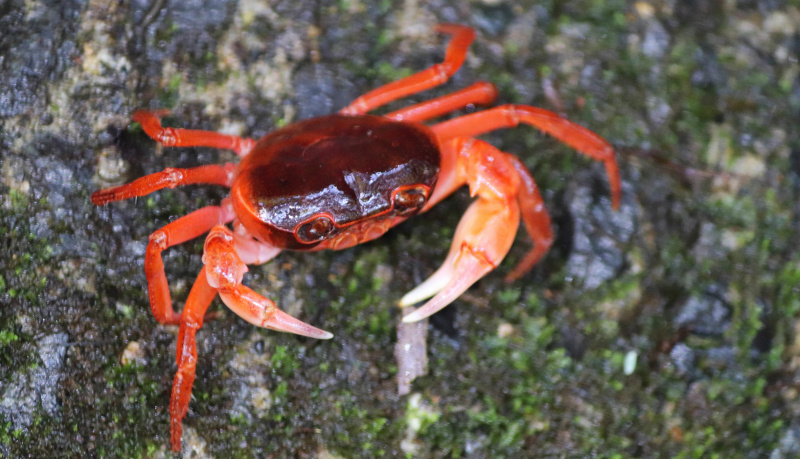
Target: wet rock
36, 45
707, 315
327, 88
656, 40
789, 445
683, 357
599, 235
30, 390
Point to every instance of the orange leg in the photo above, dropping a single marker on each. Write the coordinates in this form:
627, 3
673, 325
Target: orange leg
481, 92
222, 273
504, 116
168, 178
488, 228
177, 137
426, 79
535, 218
191, 320
181, 230
451, 171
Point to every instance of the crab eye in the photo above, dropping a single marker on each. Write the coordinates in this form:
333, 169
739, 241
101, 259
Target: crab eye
410, 199
315, 230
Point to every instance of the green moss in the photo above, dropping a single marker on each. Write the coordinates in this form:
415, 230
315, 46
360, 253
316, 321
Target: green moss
7, 337
284, 361
169, 94
5, 433
360, 438
509, 295
18, 199
238, 419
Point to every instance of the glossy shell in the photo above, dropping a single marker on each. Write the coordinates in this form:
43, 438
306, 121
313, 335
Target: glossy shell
347, 168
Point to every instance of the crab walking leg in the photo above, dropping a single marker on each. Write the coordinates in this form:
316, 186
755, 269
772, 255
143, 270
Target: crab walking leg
168, 178
197, 303
454, 155
225, 271
479, 93
432, 76
222, 273
485, 233
178, 137
181, 230
504, 116
535, 218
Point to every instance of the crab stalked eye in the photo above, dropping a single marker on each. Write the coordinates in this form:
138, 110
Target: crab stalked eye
410, 199
315, 230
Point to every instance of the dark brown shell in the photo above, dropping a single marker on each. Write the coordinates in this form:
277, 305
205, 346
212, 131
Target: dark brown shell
345, 167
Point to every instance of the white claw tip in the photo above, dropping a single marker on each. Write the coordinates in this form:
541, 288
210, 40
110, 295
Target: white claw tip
413, 317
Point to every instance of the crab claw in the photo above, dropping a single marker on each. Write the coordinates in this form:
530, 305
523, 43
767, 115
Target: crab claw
450, 282
482, 240
224, 271
263, 312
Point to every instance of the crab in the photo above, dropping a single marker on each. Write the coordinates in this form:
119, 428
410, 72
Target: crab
339, 180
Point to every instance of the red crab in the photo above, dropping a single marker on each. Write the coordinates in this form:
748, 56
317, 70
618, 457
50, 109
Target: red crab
339, 180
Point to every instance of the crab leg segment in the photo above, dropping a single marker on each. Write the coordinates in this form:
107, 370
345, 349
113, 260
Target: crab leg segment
222, 273
191, 320
488, 228
426, 79
251, 251
504, 116
479, 93
178, 137
181, 230
168, 178
535, 218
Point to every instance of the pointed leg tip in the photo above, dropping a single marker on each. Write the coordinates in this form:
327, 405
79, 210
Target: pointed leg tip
175, 441
306, 330
616, 198
298, 327
289, 324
